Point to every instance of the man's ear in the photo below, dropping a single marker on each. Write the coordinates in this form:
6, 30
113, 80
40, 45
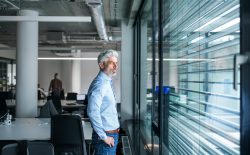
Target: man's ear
101, 65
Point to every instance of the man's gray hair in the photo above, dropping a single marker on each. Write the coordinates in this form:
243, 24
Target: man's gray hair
106, 54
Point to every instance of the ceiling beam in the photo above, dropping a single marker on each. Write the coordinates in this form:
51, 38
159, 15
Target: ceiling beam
45, 19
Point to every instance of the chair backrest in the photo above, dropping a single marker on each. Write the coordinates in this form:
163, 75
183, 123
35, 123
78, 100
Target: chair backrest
48, 110
40, 148
71, 96
67, 135
85, 114
3, 107
57, 103
10, 149
28, 148
62, 95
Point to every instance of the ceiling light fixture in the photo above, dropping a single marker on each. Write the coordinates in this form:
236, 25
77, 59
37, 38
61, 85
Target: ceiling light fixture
66, 58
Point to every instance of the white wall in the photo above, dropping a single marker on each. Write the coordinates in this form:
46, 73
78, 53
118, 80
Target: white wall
66, 75
46, 71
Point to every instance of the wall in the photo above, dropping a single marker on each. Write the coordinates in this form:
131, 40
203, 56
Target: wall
46, 71
66, 75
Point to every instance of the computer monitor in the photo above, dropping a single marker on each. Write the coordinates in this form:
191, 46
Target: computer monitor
80, 97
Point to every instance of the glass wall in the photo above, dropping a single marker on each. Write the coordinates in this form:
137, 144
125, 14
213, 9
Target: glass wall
185, 96
201, 39
144, 74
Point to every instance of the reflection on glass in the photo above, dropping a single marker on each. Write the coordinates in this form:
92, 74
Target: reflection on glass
204, 109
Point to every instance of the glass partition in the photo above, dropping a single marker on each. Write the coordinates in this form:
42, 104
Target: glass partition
200, 41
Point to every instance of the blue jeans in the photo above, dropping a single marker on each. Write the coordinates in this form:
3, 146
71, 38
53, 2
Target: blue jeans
101, 148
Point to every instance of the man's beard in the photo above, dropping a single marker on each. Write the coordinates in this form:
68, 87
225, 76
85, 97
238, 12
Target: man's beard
111, 73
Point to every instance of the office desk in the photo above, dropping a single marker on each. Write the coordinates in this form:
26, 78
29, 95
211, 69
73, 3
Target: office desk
67, 104
34, 129
26, 129
12, 103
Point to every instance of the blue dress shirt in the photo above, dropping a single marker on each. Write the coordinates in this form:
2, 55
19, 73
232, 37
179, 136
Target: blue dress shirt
102, 105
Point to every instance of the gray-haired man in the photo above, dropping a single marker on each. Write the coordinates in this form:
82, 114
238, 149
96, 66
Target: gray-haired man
102, 106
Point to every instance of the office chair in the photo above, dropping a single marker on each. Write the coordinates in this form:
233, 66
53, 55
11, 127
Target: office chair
19, 148
71, 96
48, 110
28, 148
40, 148
10, 149
57, 103
85, 115
3, 108
62, 95
6, 95
67, 135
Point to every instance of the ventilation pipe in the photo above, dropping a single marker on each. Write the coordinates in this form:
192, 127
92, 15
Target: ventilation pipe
97, 14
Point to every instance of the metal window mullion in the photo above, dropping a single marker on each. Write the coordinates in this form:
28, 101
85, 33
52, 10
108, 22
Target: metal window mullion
245, 76
160, 49
153, 70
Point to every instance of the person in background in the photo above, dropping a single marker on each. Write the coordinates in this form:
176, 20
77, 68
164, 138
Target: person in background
55, 86
101, 107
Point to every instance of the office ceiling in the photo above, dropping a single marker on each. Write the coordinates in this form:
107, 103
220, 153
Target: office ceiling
82, 35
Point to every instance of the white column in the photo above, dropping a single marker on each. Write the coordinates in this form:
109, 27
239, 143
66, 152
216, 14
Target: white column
76, 73
27, 66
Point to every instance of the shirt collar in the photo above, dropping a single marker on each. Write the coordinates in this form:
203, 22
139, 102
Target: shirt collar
104, 76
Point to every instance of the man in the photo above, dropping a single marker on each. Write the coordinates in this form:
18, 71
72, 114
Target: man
55, 86
102, 106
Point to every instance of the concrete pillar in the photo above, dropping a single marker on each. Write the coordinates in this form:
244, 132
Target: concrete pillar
27, 66
76, 73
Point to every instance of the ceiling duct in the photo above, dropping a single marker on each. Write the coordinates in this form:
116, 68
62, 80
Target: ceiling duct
66, 53
56, 37
9, 4
97, 14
